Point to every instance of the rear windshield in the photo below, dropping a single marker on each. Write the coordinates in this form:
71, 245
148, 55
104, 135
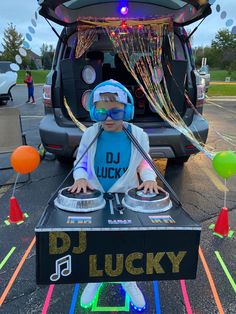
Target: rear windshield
5, 67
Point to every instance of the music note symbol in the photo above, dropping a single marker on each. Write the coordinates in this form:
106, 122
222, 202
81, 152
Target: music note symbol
65, 272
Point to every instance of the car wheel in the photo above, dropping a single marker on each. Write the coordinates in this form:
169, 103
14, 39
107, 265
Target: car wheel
3, 102
178, 160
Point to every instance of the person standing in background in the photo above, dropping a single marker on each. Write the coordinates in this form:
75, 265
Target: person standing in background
30, 85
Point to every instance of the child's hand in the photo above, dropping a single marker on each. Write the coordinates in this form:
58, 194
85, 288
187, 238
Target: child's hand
150, 186
80, 185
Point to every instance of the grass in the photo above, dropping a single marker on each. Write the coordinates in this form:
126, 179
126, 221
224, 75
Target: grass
222, 90
39, 76
220, 75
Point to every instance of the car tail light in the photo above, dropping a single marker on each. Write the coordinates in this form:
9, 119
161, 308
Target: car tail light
47, 100
200, 95
54, 146
190, 147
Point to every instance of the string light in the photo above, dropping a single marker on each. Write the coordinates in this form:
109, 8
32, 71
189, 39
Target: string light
124, 10
123, 25
124, 7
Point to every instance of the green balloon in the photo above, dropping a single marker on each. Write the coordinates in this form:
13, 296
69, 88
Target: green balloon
224, 164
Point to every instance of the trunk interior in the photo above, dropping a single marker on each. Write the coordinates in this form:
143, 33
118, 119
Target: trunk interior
73, 85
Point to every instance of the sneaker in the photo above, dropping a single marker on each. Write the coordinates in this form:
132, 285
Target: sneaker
33, 102
27, 101
136, 297
89, 294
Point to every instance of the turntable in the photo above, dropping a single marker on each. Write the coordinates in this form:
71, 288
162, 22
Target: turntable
79, 202
139, 201
93, 200
96, 237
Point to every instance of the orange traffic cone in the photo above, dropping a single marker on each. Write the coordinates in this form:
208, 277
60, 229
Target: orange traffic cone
222, 223
16, 214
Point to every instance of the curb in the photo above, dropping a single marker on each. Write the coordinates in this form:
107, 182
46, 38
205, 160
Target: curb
222, 83
226, 97
221, 98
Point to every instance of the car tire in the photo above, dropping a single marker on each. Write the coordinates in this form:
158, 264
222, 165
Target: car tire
3, 102
178, 160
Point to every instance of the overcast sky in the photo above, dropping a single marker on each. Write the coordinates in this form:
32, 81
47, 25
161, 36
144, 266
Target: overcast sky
20, 13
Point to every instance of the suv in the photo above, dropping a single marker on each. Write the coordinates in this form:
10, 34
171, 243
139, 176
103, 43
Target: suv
75, 78
7, 81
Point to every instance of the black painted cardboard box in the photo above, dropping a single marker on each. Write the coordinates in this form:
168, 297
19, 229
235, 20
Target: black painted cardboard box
112, 246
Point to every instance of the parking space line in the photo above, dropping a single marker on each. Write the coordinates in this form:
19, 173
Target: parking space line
6, 258
211, 282
157, 298
212, 99
74, 299
225, 269
214, 179
185, 296
221, 107
48, 299
31, 117
16, 272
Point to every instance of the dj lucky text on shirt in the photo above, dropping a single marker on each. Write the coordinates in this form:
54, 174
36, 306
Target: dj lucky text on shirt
112, 157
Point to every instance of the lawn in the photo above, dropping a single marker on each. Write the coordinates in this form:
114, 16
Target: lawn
220, 75
222, 90
39, 76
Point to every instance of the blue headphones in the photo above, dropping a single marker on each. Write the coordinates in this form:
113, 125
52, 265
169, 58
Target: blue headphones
128, 108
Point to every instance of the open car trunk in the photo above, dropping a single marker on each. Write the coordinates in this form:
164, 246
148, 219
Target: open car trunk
80, 13
74, 87
71, 12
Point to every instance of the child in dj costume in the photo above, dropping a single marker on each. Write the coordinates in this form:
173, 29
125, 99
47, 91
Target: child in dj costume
112, 164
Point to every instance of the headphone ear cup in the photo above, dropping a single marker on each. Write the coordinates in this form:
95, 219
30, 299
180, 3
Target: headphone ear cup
91, 107
129, 112
92, 113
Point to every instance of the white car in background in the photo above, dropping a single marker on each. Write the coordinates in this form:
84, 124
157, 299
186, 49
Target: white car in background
204, 72
7, 81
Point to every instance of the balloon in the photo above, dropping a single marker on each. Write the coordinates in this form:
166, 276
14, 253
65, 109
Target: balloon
25, 159
224, 164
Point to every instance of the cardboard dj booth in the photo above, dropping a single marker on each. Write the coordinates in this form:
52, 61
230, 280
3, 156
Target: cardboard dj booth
115, 244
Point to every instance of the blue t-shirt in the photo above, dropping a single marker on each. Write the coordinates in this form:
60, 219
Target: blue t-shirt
112, 157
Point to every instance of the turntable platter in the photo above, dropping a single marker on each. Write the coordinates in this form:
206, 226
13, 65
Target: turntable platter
139, 201
79, 202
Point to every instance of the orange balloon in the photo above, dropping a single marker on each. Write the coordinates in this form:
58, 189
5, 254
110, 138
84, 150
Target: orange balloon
25, 159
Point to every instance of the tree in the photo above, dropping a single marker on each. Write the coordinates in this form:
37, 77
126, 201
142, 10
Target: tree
222, 52
47, 53
224, 45
33, 65
224, 40
12, 41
